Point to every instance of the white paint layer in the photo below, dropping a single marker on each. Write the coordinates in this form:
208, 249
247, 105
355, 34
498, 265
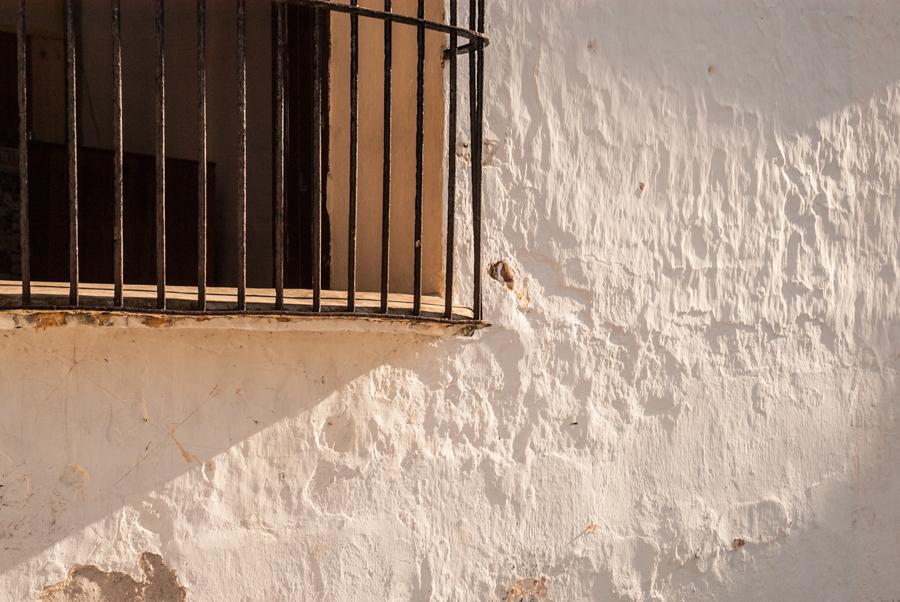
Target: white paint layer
696, 398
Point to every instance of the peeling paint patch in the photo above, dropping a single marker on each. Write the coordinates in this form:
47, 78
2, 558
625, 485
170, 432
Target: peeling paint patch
528, 590
87, 583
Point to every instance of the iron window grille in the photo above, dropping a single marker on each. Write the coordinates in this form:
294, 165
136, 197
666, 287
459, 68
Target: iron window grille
462, 44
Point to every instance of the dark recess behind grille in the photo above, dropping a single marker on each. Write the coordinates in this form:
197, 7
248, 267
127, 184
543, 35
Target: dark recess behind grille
9, 112
50, 216
299, 193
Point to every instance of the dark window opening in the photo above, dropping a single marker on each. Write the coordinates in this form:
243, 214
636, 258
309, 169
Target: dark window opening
299, 110
10, 259
48, 195
324, 137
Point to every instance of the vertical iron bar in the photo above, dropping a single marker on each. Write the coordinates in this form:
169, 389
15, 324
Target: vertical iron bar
279, 153
202, 219
160, 156
118, 154
242, 152
24, 225
386, 167
318, 177
420, 161
72, 148
451, 167
354, 157
477, 166
325, 130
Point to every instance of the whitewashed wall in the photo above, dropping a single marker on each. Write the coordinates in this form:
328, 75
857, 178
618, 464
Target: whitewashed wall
693, 396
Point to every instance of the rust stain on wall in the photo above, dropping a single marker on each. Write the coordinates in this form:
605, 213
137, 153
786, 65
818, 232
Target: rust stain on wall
87, 583
74, 475
188, 456
48, 320
156, 321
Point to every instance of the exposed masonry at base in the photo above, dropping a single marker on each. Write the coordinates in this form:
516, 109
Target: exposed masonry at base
87, 583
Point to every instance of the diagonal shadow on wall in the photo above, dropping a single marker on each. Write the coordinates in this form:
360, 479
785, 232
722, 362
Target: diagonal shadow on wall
95, 419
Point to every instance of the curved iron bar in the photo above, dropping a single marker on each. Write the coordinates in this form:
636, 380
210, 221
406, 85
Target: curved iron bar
477, 40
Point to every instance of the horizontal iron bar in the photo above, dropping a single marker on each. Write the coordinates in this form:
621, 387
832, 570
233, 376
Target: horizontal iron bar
478, 39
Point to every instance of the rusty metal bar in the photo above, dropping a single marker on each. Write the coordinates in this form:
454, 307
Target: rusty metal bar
325, 132
354, 158
320, 109
279, 153
451, 165
24, 222
202, 175
118, 157
160, 155
72, 146
386, 162
477, 156
420, 160
242, 153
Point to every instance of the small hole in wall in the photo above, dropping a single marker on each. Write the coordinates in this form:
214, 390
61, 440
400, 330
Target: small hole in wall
502, 273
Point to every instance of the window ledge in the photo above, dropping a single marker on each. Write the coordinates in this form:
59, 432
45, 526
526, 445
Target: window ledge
48, 310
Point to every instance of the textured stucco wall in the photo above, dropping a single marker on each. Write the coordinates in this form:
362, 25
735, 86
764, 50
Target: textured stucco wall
694, 394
